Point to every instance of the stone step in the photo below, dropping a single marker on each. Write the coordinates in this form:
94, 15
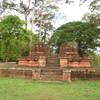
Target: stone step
53, 64
50, 67
51, 71
51, 61
52, 58
51, 74
52, 78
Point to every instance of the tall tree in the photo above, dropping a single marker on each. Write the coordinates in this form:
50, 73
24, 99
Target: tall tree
44, 14
94, 15
87, 36
20, 6
92, 18
14, 39
95, 5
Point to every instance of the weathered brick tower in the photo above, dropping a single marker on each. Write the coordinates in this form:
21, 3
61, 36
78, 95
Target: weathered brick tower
70, 58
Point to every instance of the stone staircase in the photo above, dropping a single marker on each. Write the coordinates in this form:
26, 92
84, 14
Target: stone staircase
53, 61
51, 74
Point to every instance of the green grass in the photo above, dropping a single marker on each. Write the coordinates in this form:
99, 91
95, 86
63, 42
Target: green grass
8, 64
22, 89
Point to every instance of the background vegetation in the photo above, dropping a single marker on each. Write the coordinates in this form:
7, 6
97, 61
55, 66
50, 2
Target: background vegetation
85, 34
96, 60
15, 41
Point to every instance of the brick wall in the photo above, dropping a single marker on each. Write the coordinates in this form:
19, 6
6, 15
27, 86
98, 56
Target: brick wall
16, 73
89, 74
33, 62
61, 75
81, 74
75, 63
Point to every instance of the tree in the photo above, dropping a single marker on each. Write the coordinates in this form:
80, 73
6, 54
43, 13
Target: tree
21, 7
5, 7
95, 60
94, 15
14, 39
95, 5
43, 19
87, 36
92, 18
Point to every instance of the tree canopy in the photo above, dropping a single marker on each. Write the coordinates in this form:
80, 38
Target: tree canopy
14, 39
87, 35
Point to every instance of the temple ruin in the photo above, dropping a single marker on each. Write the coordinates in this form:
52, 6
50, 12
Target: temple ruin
68, 57
41, 64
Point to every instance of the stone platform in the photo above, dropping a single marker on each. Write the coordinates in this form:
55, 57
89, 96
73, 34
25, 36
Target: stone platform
45, 74
64, 66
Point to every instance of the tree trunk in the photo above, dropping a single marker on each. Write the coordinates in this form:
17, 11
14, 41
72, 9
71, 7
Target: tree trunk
30, 45
25, 21
79, 48
45, 34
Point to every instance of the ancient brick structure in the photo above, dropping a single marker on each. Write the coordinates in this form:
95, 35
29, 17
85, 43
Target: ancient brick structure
40, 49
69, 49
69, 57
37, 56
40, 56
52, 74
58, 67
36, 61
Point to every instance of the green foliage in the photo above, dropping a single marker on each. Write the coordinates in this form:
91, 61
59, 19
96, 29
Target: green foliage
95, 5
6, 6
23, 89
87, 36
95, 60
14, 39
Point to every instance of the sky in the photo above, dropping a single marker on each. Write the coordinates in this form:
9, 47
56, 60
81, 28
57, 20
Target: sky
72, 12
69, 12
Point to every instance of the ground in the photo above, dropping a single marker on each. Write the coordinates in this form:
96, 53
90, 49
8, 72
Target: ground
23, 89
8, 64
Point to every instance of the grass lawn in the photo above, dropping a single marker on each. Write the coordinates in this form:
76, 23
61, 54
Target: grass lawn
8, 64
23, 89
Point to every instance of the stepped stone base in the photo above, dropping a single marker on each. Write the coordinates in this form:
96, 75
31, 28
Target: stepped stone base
51, 74
64, 66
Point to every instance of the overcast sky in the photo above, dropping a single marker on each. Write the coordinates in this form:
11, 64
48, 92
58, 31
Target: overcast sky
73, 12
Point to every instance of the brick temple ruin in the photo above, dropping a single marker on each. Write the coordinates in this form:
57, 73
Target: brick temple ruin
48, 66
41, 64
68, 57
